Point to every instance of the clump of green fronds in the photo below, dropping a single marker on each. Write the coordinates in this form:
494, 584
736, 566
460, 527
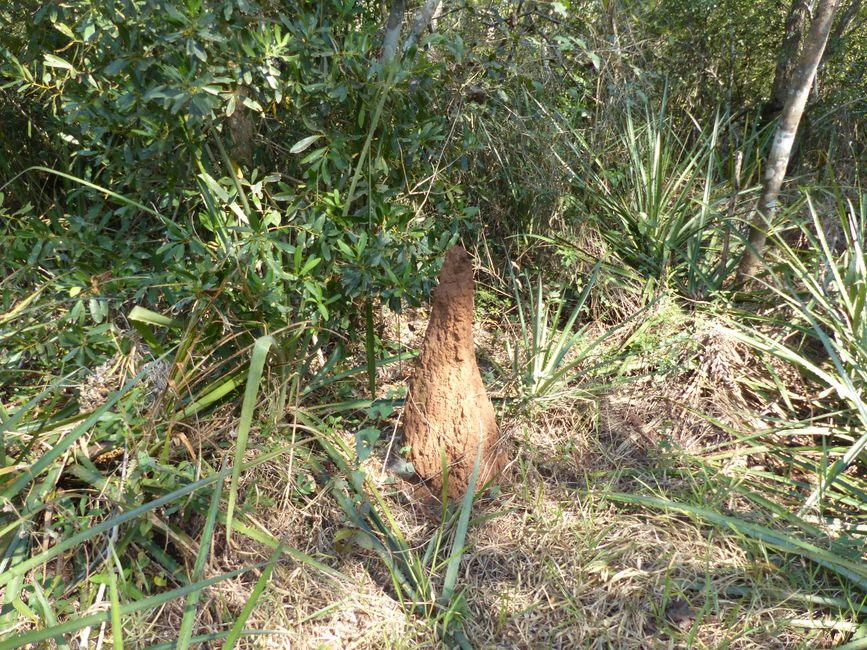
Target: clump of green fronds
659, 212
547, 353
668, 210
824, 285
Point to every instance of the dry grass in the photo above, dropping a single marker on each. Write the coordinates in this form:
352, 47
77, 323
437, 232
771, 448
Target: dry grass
551, 561
555, 567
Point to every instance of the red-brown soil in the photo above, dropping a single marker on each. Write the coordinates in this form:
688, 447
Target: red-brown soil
447, 406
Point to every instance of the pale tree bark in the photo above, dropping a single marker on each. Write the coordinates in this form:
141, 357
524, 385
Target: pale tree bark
426, 15
778, 160
787, 58
392, 30
793, 34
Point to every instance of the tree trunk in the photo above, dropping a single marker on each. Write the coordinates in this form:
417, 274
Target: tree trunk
787, 58
392, 31
796, 100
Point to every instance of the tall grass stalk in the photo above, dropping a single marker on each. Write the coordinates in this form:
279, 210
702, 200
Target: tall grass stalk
191, 609
257, 365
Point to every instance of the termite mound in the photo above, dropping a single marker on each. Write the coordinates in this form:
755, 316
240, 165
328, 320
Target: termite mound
447, 407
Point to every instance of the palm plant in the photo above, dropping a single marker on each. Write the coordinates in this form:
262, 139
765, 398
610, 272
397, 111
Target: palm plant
827, 291
661, 213
547, 357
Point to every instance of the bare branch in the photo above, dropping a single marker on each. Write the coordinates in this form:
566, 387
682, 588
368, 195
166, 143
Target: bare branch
426, 15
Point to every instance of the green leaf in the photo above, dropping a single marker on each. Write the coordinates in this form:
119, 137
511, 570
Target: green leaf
345, 249
143, 315
215, 187
65, 30
309, 265
304, 143
98, 310
115, 66
364, 441
231, 105
314, 155
53, 61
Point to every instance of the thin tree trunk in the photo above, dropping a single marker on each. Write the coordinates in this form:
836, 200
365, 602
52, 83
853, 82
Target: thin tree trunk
787, 59
392, 31
799, 91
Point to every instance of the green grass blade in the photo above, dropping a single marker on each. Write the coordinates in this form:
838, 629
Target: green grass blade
14, 554
211, 396
854, 571
116, 625
272, 542
257, 365
457, 553
63, 629
142, 319
191, 608
12, 422
370, 347
48, 612
238, 627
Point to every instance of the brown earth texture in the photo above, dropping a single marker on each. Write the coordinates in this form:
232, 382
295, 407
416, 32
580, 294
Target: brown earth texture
447, 407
